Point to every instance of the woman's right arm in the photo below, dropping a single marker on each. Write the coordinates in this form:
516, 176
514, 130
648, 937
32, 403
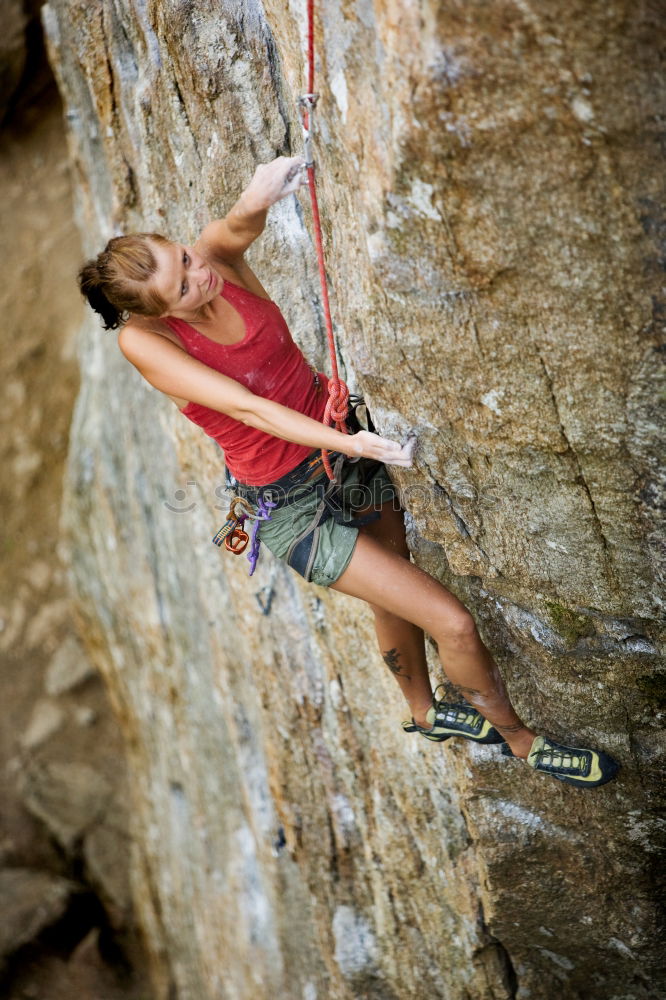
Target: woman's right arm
170, 369
229, 238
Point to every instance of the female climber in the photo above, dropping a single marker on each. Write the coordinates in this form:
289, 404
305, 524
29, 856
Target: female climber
198, 325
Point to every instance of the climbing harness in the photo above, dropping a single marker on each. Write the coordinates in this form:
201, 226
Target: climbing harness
257, 503
309, 480
338, 394
332, 503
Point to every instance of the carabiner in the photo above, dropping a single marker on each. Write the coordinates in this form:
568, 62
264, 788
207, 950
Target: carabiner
237, 541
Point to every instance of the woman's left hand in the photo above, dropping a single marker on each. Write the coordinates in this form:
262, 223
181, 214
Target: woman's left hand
369, 445
274, 181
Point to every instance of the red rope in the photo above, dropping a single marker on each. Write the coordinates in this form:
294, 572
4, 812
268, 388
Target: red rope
338, 394
311, 67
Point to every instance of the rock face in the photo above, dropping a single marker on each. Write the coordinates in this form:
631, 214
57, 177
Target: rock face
64, 855
491, 178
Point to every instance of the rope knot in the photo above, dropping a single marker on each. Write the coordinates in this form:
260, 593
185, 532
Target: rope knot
338, 398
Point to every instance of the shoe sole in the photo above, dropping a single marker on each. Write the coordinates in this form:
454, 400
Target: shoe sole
492, 737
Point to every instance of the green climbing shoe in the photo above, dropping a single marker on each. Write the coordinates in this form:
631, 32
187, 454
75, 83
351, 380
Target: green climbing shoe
447, 720
575, 765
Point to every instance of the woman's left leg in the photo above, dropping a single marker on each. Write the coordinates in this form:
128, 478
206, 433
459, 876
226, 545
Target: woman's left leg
407, 601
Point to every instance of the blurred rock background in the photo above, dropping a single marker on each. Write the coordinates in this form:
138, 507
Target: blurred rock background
491, 177
66, 927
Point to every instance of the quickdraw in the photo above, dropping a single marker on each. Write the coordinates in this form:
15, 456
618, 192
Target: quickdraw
232, 533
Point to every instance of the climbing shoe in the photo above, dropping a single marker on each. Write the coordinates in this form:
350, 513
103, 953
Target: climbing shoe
448, 720
575, 765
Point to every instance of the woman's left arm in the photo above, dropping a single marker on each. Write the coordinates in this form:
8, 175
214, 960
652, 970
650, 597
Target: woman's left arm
229, 238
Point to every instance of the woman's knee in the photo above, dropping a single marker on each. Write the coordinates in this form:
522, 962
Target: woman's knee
458, 631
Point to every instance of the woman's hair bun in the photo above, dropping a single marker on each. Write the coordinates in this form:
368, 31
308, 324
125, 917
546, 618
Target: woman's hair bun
90, 283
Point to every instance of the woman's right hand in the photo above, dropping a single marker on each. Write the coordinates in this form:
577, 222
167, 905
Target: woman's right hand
274, 181
365, 444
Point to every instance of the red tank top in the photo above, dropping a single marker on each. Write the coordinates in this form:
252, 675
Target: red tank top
269, 364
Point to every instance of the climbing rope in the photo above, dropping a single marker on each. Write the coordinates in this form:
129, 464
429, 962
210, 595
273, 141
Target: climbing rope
338, 394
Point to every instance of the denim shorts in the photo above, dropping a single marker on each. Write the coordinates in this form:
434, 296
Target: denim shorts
363, 484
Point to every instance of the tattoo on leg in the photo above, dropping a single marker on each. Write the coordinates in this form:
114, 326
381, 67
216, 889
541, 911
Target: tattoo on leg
390, 658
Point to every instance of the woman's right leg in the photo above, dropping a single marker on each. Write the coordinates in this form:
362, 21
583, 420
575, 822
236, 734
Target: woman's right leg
393, 585
403, 651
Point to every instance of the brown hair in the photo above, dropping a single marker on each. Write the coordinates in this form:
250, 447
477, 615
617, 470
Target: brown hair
115, 282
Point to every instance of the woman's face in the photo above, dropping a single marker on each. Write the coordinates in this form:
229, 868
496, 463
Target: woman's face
184, 279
